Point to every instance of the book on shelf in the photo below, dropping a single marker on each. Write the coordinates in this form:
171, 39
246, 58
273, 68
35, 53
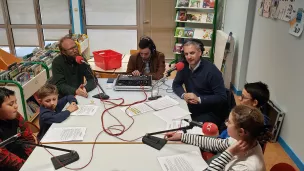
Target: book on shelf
196, 33
189, 32
179, 31
181, 15
196, 3
195, 17
183, 3
207, 51
208, 3
178, 47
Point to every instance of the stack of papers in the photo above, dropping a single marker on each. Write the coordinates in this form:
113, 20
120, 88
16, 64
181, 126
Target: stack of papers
162, 103
85, 110
183, 162
172, 113
64, 134
137, 109
181, 123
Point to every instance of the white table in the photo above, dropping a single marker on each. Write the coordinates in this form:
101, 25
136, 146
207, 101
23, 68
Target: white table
144, 123
108, 157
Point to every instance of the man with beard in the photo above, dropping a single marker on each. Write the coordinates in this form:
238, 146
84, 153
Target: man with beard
68, 75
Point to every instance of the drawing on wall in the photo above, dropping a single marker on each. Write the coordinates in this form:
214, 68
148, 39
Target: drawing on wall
290, 11
266, 8
273, 9
260, 8
281, 8
296, 24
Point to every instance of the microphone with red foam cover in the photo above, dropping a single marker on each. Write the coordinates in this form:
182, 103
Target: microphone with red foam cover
80, 60
210, 129
179, 66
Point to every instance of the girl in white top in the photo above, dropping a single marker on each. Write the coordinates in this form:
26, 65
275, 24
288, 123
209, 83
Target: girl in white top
240, 152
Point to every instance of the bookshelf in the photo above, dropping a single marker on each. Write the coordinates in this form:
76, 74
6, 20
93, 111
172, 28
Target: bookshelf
25, 91
195, 19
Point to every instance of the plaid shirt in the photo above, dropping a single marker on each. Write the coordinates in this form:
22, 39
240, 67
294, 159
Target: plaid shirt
11, 161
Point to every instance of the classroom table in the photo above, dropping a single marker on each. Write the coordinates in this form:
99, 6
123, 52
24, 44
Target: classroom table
144, 123
108, 157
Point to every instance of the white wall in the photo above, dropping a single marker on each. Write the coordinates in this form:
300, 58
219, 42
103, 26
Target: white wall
239, 20
277, 58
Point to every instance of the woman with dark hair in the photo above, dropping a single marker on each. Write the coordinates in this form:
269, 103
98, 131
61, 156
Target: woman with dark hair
148, 61
242, 150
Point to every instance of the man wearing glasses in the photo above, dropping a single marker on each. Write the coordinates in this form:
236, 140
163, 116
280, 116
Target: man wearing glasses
68, 75
204, 90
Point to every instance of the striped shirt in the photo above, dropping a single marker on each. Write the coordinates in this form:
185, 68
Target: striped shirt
252, 161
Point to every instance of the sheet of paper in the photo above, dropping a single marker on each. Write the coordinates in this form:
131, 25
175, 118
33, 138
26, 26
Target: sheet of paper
181, 123
137, 109
64, 134
172, 113
85, 110
191, 161
162, 103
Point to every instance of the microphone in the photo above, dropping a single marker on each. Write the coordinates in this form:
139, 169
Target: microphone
9, 140
210, 129
80, 60
179, 66
193, 123
103, 95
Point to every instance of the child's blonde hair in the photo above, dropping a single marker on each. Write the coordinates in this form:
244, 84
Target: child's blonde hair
47, 90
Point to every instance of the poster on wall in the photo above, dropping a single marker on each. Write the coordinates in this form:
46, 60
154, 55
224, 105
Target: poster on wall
260, 8
296, 24
273, 9
290, 11
266, 8
281, 8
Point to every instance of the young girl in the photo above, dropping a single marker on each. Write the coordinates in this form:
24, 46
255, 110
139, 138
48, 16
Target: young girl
240, 152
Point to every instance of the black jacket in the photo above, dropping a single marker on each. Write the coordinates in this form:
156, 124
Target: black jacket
69, 75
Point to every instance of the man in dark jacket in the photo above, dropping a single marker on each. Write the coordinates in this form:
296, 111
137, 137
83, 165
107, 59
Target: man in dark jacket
205, 91
68, 75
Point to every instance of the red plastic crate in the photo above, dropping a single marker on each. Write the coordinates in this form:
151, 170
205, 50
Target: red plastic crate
107, 59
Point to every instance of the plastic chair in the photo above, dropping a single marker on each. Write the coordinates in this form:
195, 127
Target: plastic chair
282, 167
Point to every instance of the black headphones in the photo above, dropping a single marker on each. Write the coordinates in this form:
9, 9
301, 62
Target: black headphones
200, 43
151, 45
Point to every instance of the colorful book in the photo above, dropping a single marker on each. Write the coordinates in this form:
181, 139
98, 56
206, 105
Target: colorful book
181, 15
189, 32
179, 31
210, 17
195, 3
206, 53
196, 17
208, 3
178, 47
183, 3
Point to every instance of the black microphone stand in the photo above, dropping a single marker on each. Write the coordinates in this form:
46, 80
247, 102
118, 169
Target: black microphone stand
158, 143
58, 161
155, 84
103, 94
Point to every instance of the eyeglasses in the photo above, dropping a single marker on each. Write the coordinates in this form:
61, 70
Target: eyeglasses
244, 97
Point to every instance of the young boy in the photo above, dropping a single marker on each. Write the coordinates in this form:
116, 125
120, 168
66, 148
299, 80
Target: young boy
13, 155
254, 94
51, 108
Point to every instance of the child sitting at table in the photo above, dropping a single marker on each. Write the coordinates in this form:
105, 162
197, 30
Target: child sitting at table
51, 108
13, 155
256, 95
242, 150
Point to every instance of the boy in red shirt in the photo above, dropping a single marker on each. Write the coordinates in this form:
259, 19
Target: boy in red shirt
13, 155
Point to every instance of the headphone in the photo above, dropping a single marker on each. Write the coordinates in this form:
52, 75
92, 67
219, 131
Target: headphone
151, 45
200, 43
